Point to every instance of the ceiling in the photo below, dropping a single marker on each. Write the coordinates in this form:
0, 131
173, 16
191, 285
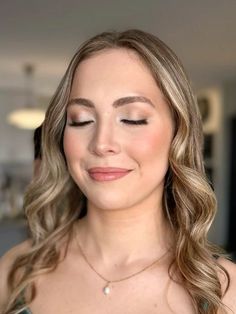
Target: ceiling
46, 33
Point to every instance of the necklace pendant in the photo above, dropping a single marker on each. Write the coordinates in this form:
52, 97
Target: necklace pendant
107, 289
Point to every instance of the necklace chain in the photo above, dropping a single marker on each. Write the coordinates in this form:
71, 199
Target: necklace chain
106, 289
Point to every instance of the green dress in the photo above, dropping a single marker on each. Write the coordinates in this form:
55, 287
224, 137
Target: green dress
26, 311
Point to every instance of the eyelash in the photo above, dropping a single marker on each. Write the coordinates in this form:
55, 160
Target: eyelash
135, 122
126, 121
79, 124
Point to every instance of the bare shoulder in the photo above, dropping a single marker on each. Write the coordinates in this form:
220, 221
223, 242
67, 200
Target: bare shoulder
229, 298
6, 262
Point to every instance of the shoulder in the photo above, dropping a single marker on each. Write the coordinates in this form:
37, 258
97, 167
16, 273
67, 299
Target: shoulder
6, 262
229, 298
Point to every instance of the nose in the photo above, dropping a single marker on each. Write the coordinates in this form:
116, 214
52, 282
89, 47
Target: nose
104, 141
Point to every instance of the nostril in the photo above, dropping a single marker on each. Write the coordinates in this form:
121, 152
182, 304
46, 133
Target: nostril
105, 141
103, 149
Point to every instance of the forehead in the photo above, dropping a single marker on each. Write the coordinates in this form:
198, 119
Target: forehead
116, 70
122, 56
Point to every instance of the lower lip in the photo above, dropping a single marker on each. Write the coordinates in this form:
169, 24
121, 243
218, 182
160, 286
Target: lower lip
107, 176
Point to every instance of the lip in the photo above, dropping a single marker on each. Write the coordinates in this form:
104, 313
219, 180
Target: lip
107, 173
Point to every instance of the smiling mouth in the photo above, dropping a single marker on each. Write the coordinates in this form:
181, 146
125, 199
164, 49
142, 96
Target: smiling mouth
107, 174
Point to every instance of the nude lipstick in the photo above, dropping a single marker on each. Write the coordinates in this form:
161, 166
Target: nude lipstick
107, 174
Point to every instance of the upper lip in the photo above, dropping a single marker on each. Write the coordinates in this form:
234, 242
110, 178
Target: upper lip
107, 169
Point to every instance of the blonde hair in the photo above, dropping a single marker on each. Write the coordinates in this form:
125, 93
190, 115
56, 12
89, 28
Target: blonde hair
53, 202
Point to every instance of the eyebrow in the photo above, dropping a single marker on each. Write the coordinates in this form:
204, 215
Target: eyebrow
117, 103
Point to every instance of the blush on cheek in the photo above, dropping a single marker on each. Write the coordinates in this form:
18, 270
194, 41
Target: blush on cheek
152, 143
69, 145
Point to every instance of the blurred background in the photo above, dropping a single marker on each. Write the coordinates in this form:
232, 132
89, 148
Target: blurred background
37, 40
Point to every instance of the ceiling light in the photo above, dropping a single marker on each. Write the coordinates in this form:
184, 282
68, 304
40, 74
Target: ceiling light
28, 116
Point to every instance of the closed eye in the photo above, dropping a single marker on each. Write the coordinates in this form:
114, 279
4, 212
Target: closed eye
135, 122
80, 124
126, 121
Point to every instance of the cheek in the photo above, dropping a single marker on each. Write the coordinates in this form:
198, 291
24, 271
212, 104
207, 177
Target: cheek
152, 146
72, 148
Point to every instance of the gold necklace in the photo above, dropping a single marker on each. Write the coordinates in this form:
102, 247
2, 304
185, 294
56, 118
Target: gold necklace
107, 288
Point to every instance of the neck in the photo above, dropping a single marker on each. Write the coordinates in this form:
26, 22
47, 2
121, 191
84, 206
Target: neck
124, 236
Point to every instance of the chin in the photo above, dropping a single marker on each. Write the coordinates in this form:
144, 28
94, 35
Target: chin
109, 202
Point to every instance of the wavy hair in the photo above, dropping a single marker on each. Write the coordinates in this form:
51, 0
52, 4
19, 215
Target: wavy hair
53, 202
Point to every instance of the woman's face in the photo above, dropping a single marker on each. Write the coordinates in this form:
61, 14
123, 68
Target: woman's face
118, 132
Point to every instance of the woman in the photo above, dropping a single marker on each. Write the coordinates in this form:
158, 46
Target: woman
120, 211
